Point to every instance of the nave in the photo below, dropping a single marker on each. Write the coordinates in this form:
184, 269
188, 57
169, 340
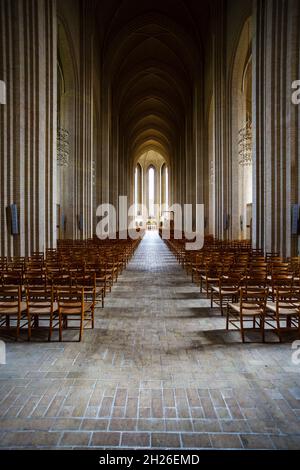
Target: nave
158, 370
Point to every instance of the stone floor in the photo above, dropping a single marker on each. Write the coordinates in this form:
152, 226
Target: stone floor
158, 370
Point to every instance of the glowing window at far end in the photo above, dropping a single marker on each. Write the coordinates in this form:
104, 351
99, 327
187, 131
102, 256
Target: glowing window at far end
151, 191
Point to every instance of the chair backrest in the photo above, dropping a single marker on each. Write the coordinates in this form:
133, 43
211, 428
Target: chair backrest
281, 280
3, 263
10, 297
287, 298
253, 298
272, 255
12, 277
295, 266
84, 280
60, 279
37, 255
256, 277
72, 299
232, 280
35, 278
33, 265
39, 296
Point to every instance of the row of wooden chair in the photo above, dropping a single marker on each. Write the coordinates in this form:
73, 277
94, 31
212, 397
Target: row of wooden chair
61, 287
253, 306
47, 305
250, 286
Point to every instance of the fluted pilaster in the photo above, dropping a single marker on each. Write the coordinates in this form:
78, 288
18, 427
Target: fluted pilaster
275, 131
28, 123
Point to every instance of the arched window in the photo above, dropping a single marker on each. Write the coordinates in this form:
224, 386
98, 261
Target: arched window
164, 195
138, 189
151, 191
167, 187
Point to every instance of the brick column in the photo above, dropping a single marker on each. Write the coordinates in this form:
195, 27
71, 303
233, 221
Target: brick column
276, 142
28, 123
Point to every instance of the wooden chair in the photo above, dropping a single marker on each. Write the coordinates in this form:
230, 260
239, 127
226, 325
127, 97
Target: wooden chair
33, 265
211, 277
280, 281
197, 268
295, 266
250, 308
59, 279
227, 290
12, 278
286, 308
16, 262
280, 267
51, 253
92, 292
40, 305
73, 306
104, 277
37, 256
3, 263
272, 256
256, 277
11, 308
35, 278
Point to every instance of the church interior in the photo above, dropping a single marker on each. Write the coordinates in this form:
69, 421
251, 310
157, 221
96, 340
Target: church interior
118, 331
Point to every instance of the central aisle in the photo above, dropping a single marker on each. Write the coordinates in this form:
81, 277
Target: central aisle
151, 302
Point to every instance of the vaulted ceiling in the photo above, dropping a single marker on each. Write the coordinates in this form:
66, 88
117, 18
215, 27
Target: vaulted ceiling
151, 56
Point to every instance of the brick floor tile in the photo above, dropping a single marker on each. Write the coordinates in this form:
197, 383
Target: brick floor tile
165, 440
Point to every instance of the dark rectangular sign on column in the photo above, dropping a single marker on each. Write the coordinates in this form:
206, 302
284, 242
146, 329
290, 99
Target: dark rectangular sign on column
295, 219
14, 219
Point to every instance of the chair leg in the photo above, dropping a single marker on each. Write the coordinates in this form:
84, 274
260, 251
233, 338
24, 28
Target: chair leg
81, 327
50, 328
262, 325
242, 329
93, 317
18, 327
278, 329
227, 318
221, 305
60, 326
29, 327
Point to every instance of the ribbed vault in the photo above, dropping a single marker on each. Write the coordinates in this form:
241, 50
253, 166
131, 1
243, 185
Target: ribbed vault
152, 64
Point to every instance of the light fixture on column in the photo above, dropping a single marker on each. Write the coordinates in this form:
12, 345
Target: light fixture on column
212, 172
245, 143
93, 172
63, 147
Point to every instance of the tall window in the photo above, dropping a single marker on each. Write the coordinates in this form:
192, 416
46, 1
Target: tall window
136, 191
138, 198
151, 186
164, 187
167, 188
